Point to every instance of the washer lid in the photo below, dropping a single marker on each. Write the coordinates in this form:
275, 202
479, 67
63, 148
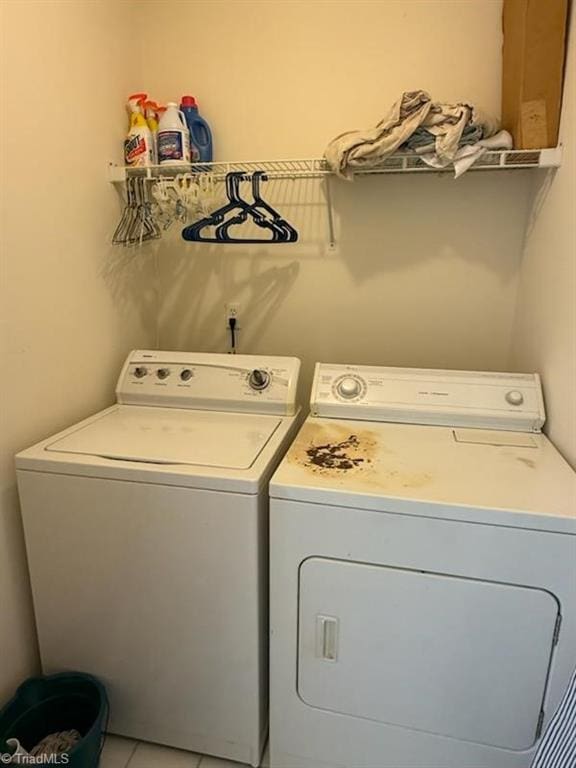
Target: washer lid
172, 436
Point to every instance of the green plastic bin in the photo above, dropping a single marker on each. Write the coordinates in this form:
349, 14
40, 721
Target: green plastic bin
45, 705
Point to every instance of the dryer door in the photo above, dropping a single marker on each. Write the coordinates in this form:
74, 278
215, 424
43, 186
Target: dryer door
458, 657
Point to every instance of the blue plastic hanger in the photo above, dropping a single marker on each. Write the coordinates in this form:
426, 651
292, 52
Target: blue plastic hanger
260, 212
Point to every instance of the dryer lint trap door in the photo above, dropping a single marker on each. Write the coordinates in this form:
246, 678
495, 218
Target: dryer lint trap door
436, 653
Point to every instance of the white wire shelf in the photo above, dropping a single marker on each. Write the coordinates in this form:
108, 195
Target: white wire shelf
316, 168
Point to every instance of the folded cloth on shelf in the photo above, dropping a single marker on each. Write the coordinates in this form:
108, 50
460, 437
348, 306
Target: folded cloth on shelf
415, 123
423, 141
355, 150
466, 155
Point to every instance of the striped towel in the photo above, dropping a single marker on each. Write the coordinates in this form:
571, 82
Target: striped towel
558, 745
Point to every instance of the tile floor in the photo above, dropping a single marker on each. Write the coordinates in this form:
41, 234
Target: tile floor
121, 753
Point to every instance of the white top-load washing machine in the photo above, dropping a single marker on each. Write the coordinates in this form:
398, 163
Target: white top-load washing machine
147, 534
423, 573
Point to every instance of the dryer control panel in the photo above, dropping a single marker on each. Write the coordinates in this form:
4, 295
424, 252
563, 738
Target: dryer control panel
205, 381
510, 401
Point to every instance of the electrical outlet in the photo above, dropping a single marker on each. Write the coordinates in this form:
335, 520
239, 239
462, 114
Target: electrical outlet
233, 310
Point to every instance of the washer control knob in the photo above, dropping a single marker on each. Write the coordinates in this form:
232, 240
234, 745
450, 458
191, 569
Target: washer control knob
140, 371
349, 387
514, 397
259, 379
163, 373
186, 374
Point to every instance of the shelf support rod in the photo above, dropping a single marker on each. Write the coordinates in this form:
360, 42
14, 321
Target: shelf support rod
329, 212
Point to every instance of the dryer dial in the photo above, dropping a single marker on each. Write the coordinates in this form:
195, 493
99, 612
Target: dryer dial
350, 387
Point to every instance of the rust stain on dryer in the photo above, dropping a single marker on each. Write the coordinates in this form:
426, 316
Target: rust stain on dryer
336, 455
336, 451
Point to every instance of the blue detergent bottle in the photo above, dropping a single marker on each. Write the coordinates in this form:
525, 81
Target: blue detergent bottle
200, 134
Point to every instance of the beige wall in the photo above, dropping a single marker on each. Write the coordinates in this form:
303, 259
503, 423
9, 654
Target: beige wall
70, 310
544, 336
281, 78
426, 268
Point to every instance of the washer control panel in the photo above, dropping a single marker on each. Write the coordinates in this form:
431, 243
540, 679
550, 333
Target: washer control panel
210, 381
259, 379
510, 401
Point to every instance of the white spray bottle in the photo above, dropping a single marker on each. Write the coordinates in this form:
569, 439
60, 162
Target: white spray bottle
173, 137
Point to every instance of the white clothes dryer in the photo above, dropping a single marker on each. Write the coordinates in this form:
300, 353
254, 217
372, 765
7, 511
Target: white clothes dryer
423, 573
147, 534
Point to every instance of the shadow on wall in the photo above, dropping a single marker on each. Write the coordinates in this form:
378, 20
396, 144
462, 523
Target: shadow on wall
424, 274
541, 185
196, 290
131, 275
17, 636
198, 280
393, 223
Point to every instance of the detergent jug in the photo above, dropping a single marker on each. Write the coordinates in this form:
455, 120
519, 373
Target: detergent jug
200, 134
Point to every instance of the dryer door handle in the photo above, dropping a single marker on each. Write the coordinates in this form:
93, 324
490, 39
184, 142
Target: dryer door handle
327, 631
